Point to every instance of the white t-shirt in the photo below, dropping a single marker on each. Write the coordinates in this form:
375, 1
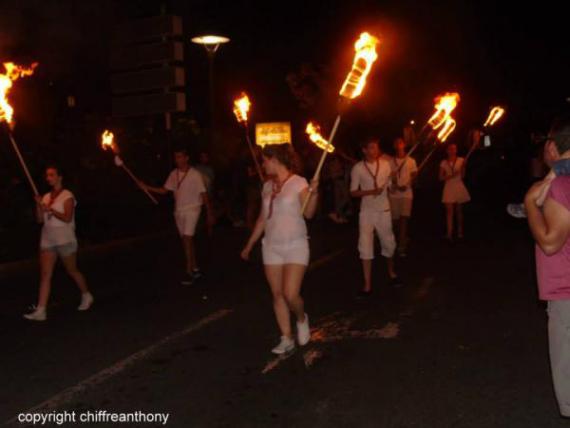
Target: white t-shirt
54, 231
286, 224
404, 177
451, 168
187, 188
362, 178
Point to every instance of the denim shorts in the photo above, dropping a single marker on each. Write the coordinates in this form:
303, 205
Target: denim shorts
64, 250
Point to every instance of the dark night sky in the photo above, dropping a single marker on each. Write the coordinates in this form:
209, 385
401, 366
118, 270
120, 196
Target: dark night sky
489, 51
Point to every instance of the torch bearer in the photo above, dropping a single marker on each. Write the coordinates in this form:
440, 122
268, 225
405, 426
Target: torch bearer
108, 142
241, 109
364, 57
14, 72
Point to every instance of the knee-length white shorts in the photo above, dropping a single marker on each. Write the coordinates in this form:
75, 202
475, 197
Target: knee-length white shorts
381, 223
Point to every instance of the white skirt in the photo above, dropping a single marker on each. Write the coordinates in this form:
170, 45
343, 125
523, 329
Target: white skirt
455, 192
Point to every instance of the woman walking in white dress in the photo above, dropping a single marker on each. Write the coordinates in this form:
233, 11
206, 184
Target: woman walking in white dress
455, 194
285, 243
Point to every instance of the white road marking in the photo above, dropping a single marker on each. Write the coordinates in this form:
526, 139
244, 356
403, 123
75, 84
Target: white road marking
100, 377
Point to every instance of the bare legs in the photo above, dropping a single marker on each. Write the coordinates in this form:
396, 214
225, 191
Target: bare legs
47, 264
285, 282
450, 210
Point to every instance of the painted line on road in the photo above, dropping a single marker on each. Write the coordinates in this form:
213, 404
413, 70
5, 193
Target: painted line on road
105, 374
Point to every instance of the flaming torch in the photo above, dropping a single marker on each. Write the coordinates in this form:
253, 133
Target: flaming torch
364, 57
241, 109
314, 133
494, 115
441, 119
447, 127
14, 72
108, 143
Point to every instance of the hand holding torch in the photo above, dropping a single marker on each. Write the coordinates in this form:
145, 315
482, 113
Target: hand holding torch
108, 142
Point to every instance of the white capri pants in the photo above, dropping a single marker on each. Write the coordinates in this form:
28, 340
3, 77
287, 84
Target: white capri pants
187, 219
381, 222
294, 253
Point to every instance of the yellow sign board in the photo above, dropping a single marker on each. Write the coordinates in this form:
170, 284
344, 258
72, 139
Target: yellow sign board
272, 133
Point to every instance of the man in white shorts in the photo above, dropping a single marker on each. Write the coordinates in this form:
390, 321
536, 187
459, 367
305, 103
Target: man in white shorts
369, 181
189, 190
404, 171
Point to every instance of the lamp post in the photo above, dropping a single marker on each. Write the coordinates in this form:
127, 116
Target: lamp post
211, 43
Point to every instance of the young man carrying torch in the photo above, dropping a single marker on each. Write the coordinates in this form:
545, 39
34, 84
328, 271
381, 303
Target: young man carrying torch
187, 186
369, 181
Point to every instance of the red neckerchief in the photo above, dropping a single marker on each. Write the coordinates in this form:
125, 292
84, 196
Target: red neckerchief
375, 172
276, 188
180, 180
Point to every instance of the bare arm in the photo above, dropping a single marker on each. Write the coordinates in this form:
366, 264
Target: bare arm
550, 227
255, 235
39, 210
157, 190
312, 194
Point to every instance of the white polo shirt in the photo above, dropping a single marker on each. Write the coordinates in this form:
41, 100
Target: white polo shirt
187, 188
362, 178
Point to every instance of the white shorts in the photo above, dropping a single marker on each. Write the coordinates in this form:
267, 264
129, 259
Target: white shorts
381, 222
187, 219
401, 207
295, 253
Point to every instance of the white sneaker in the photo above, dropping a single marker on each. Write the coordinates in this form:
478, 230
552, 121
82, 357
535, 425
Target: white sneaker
516, 210
86, 301
39, 314
303, 331
286, 345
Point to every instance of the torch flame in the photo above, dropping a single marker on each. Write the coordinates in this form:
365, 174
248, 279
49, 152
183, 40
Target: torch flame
241, 107
314, 133
495, 114
365, 56
108, 141
447, 129
13, 72
444, 105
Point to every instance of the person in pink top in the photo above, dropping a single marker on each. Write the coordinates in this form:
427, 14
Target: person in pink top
549, 223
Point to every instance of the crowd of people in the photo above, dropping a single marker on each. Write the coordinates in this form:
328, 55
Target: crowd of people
279, 204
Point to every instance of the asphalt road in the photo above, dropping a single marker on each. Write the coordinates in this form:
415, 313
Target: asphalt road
463, 344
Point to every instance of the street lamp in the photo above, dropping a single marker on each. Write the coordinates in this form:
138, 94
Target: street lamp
211, 43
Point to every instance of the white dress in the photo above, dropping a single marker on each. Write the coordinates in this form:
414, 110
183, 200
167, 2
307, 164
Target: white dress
454, 190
